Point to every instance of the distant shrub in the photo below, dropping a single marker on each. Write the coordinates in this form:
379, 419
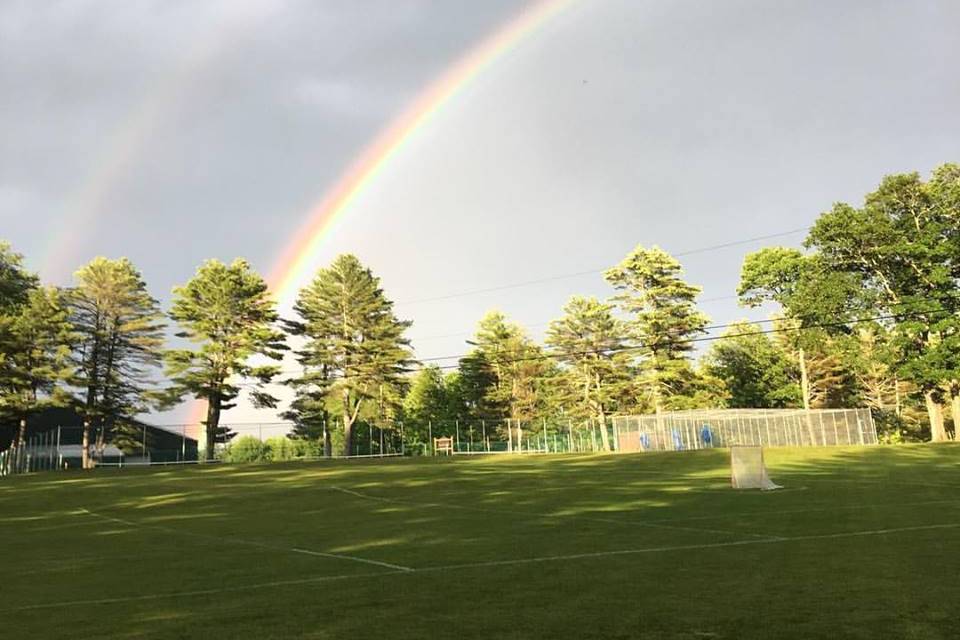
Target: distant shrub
894, 429
279, 448
245, 449
276, 449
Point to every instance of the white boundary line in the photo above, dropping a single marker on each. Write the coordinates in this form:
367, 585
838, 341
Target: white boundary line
528, 514
895, 505
480, 565
249, 543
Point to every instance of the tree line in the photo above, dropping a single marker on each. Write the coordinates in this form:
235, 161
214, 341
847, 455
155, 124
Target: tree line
868, 314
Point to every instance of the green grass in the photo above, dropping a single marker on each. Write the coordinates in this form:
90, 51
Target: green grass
618, 546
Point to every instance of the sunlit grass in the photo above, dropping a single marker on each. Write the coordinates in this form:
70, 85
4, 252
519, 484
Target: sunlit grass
651, 545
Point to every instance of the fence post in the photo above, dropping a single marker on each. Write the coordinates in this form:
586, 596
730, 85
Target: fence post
402, 449
430, 436
457, 423
483, 428
546, 446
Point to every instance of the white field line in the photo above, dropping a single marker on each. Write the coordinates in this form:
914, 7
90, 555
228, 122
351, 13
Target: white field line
895, 505
248, 543
481, 565
529, 514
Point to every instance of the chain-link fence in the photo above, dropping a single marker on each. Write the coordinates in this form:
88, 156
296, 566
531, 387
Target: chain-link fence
681, 430
62, 448
669, 431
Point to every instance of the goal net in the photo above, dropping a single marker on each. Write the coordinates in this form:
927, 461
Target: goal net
747, 470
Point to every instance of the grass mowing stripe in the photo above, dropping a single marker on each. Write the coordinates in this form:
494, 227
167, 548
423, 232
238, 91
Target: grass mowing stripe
529, 514
487, 564
249, 543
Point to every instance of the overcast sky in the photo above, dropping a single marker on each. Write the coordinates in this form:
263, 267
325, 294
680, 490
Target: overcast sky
170, 132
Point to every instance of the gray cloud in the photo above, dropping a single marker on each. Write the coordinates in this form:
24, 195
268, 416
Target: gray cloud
680, 123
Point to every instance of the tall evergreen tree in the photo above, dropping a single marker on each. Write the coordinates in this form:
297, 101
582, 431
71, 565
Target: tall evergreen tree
428, 403
35, 358
663, 318
120, 340
592, 343
352, 334
504, 373
309, 410
15, 281
228, 314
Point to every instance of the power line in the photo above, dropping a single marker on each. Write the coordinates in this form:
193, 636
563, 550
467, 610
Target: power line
542, 324
708, 338
578, 274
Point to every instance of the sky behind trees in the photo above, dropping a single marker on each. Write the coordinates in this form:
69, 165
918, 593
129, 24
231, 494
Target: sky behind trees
169, 133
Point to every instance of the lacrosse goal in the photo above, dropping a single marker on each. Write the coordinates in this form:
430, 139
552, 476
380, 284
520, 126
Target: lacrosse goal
747, 470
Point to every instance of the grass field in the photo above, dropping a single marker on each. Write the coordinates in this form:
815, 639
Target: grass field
861, 543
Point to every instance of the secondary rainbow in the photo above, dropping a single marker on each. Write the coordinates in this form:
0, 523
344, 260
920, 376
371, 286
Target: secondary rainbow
297, 262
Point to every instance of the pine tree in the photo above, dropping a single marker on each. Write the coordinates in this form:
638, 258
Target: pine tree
309, 410
427, 406
36, 368
120, 330
352, 334
15, 281
227, 313
663, 318
592, 343
504, 373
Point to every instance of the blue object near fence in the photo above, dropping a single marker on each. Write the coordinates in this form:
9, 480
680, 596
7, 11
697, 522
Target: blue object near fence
706, 435
677, 440
644, 441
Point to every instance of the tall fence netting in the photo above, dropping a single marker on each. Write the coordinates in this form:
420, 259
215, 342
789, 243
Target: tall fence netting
669, 431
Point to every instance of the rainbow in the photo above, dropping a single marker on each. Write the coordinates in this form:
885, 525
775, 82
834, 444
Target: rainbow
130, 138
298, 261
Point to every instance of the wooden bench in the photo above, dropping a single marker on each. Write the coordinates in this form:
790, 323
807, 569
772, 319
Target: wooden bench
443, 445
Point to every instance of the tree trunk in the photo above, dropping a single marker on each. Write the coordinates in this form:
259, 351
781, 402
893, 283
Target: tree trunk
805, 392
602, 417
896, 388
347, 436
519, 437
85, 445
327, 443
955, 409
604, 438
658, 406
935, 412
212, 426
21, 434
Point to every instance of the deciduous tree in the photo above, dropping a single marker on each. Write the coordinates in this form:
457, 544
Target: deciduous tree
901, 246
